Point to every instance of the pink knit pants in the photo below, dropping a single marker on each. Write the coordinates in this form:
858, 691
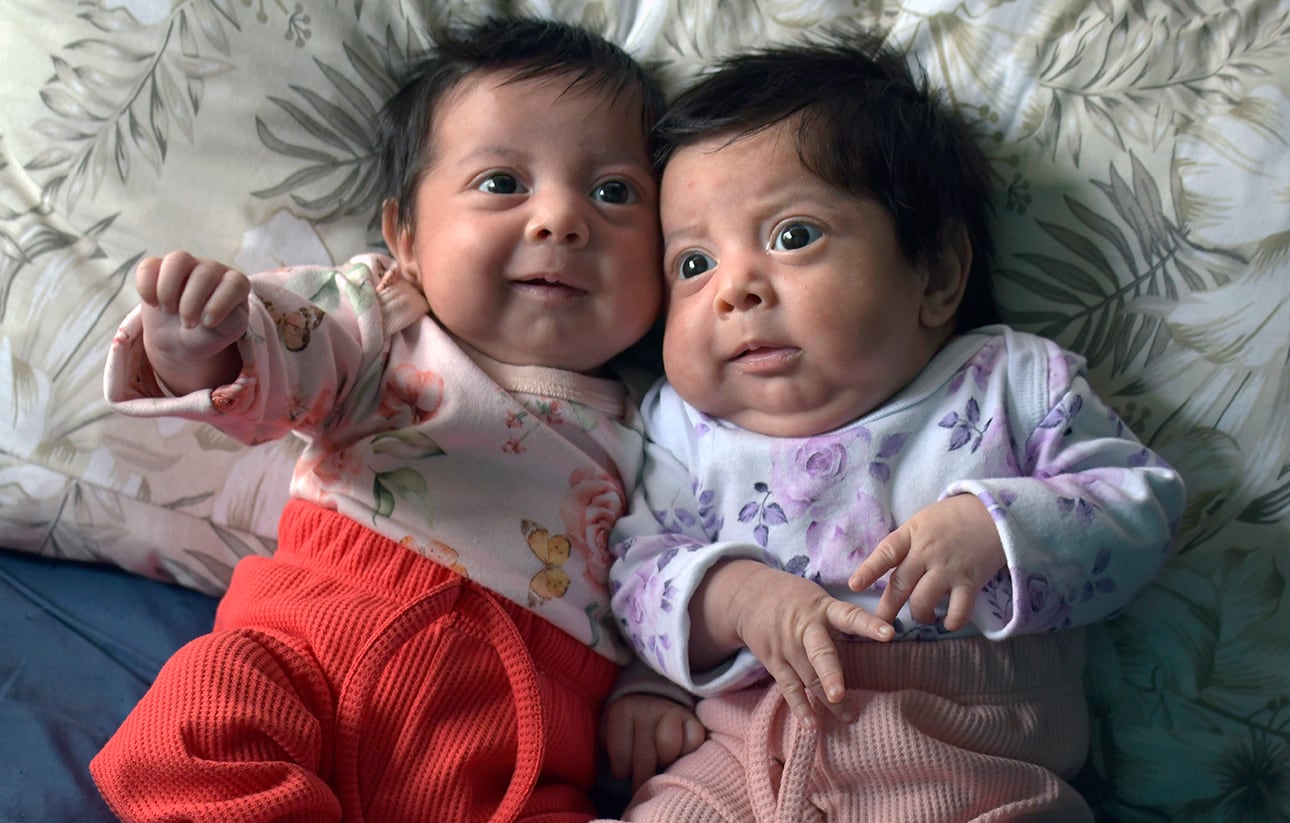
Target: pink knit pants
953, 730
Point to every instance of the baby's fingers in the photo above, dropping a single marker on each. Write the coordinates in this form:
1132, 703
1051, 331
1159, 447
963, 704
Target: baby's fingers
229, 294
962, 599
173, 273
791, 679
677, 734
925, 595
145, 279
185, 285
826, 666
851, 619
618, 746
209, 292
887, 555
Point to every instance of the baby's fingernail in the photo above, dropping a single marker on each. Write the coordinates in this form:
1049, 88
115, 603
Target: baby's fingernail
208, 320
886, 631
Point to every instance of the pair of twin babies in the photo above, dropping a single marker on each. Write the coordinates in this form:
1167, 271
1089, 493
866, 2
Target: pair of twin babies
848, 521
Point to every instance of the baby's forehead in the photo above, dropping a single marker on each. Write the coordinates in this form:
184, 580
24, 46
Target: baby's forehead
507, 116
722, 151
614, 93
597, 101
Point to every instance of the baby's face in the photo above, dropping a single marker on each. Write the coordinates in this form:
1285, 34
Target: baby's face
791, 309
536, 236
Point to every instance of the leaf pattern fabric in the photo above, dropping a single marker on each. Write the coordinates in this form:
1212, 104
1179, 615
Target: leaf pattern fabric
1142, 216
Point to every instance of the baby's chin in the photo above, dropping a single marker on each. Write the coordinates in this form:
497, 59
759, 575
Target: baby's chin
800, 424
782, 421
566, 356
783, 406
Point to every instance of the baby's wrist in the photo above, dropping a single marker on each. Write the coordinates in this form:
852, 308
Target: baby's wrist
715, 612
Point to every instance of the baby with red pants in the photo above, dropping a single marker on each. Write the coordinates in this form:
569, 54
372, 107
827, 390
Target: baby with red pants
432, 639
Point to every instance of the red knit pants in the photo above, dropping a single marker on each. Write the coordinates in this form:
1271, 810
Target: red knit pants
951, 730
351, 679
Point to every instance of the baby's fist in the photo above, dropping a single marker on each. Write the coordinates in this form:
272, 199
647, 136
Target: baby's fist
193, 311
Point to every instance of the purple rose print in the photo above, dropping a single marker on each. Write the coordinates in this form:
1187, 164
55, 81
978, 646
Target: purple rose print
653, 594
803, 471
1043, 605
655, 646
997, 595
1061, 416
1045, 600
839, 545
1078, 506
649, 596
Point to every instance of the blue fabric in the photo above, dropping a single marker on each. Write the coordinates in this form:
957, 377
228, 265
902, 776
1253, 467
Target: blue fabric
80, 645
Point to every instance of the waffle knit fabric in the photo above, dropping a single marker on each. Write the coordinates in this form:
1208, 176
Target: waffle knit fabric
953, 730
348, 678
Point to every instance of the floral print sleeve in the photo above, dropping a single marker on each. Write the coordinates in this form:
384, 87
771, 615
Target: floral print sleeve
312, 354
1089, 520
663, 548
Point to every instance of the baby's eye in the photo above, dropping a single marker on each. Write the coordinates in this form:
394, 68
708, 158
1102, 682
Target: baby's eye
693, 263
796, 236
615, 192
500, 183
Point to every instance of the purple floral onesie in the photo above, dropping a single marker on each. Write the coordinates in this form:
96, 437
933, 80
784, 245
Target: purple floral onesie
1085, 512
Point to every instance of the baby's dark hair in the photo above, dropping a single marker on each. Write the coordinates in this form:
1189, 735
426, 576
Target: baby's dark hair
868, 126
528, 47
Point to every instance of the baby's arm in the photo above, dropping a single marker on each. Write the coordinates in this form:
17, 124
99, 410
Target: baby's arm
690, 606
1085, 526
710, 614
193, 313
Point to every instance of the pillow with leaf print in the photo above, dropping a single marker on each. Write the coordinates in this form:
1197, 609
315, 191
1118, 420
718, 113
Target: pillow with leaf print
128, 128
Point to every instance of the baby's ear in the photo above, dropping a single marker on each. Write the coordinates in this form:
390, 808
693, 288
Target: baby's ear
398, 238
947, 277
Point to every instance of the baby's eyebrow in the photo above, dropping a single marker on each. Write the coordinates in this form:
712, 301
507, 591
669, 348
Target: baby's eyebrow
494, 152
685, 233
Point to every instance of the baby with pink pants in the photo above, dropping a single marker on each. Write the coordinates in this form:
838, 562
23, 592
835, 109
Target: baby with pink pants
871, 522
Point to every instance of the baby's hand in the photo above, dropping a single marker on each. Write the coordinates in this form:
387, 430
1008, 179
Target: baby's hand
193, 312
645, 733
948, 548
788, 623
